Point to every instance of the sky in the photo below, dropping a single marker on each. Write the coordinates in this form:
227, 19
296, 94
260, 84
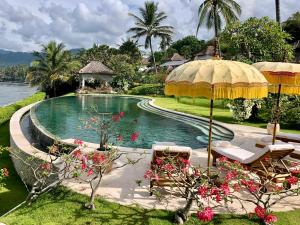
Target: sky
26, 24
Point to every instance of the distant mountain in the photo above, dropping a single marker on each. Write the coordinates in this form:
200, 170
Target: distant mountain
10, 58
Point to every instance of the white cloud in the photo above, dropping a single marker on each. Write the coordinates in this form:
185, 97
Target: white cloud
24, 25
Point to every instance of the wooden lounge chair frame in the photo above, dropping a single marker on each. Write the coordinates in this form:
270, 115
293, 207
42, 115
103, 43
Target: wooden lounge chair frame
161, 154
261, 165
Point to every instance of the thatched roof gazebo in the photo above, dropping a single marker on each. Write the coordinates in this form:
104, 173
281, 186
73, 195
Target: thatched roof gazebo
96, 70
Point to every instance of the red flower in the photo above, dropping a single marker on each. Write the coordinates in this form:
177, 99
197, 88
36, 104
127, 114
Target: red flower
186, 162
90, 172
121, 114
158, 161
206, 215
225, 188
5, 172
148, 174
134, 136
292, 180
98, 158
223, 159
77, 154
202, 191
78, 142
269, 219
116, 118
218, 197
260, 212
119, 138
214, 191
230, 175
169, 167
295, 171
83, 166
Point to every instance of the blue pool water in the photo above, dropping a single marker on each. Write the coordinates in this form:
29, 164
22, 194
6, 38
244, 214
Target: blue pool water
63, 117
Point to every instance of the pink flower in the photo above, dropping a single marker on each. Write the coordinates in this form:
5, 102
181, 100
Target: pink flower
169, 167
230, 175
148, 174
119, 138
292, 180
155, 177
77, 154
293, 164
202, 191
223, 159
121, 114
206, 215
98, 158
225, 188
93, 119
134, 136
196, 173
260, 212
186, 162
90, 172
158, 161
116, 118
78, 142
83, 166
269, 219
46, 166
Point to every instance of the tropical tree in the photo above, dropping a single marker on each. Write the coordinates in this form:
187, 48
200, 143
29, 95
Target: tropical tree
53, 64
292, 26
213, 12
148, 25
130, 48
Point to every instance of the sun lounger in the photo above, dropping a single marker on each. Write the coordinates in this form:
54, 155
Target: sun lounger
163, 151
285, 137
257, 161
265, 141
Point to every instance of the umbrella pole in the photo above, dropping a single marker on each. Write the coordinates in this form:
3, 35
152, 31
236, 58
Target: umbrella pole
210, 134
276, 114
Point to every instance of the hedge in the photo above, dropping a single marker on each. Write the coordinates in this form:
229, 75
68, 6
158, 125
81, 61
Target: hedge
7, 111
148, 89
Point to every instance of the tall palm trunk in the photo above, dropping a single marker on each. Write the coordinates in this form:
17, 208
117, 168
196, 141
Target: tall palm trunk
152, 53
217, 41
277, 4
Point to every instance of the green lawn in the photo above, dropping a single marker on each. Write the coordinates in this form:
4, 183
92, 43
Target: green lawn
14, 191
200, 107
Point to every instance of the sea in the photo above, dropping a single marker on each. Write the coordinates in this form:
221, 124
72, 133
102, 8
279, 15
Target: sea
12, 92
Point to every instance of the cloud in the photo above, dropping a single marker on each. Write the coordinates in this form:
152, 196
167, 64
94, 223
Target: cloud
24, 25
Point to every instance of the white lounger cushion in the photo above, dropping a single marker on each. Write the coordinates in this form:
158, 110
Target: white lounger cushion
221, 144
244, 156
171, 148
165, 143
295, 137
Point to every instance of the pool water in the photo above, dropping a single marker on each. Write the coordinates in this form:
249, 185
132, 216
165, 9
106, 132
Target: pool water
64, 116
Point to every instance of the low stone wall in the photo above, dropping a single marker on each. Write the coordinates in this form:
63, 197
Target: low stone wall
23, 154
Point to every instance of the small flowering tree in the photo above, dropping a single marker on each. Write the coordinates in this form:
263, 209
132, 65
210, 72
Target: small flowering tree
107, 126
224, 186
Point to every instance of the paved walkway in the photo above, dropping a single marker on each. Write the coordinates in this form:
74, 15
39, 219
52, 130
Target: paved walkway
120, 186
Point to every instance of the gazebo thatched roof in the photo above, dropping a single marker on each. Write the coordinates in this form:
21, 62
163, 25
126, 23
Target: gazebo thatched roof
96, 67
177, 57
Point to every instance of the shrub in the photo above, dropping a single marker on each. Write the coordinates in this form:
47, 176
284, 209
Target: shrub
148, 89
7, 111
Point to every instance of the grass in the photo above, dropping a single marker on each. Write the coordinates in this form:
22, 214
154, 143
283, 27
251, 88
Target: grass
200, 107
62, 206
14, 192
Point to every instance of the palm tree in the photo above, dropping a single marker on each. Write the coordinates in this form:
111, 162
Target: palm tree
213, 12
53, 64
277, 5
149, 25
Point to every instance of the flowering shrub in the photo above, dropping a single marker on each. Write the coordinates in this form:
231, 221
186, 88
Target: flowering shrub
223, 186
3, 172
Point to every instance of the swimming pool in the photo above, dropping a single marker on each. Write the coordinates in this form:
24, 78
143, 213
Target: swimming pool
63, 117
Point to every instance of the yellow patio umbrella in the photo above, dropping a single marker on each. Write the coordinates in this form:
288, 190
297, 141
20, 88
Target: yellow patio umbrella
216, 79
284, 79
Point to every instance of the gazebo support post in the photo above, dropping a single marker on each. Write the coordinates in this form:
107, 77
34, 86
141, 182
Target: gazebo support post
276, 114
210, 130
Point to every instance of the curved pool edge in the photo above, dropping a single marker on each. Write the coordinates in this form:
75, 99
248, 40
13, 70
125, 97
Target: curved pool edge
223, 125
21, 151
